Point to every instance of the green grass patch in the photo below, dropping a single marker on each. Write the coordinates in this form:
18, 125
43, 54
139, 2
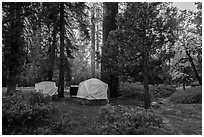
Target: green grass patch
188, 96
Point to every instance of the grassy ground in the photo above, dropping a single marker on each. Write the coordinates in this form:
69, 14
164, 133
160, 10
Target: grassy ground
82, 115
185, 119
181, 119
188, 96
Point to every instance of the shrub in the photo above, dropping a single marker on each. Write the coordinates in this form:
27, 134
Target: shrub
39, 98
123, 120
131, 90
188, 96
62, 124
134, 90
22, 114
163, 91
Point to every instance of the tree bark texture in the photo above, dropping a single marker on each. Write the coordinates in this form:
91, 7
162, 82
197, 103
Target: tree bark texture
145, 77
97, 44
97, 50
110, 10
145, 62
52, 53
194, 67
15, 46
93, 43
62, 62
109, 24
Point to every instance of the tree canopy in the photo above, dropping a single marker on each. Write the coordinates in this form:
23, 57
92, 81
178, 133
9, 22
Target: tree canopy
147, 42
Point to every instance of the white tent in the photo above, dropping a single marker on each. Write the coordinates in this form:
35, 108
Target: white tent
92, 89
46, 87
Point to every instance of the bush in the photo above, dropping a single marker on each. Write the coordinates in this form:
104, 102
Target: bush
163, 91
188, 96
131, 90
134, 90
58, 125
23, 113
123, 120
39, 98
62, 125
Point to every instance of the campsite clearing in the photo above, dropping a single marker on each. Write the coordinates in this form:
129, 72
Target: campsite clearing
180, 119
185, 119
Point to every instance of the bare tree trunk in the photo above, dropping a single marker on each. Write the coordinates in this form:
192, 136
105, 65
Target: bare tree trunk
93, 43
184, 83
97, 48
194, 68
11, 83
145, 64
109, 24
16, 47
62, 63
145, 77
52, 54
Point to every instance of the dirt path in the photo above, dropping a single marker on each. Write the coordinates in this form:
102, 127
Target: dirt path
181, 119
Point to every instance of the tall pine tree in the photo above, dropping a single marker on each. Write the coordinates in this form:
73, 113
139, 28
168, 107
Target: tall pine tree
110, 10
141, 31
13, 42
62, 58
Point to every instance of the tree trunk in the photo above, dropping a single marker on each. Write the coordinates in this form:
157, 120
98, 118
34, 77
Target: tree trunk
110, 10
109, 24
184, 83
194, 68
61, 70
15, 47
68, 76
97, 48
52, 54
11, 83
93, 43
145, 62
145, 77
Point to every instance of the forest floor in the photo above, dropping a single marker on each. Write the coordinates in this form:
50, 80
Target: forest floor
179, 119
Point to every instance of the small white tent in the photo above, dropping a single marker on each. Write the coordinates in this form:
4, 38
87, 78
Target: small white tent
92, 89
46, 87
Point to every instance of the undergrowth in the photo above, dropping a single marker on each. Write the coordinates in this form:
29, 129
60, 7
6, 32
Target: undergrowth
123, 120
188, 96
31, 113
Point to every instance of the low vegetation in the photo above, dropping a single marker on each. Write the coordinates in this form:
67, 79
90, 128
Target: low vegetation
164, 91
136, 90
34, 113
188, 96
123, 120
27, 113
